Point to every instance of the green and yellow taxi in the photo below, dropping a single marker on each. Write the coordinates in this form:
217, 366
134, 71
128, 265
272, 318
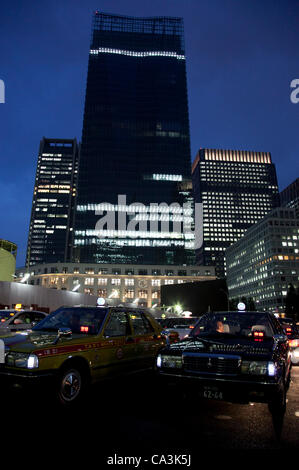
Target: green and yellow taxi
77, 346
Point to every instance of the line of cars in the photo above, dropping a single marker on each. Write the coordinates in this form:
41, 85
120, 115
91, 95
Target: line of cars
234, 356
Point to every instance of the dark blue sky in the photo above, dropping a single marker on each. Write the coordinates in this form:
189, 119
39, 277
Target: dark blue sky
241, 57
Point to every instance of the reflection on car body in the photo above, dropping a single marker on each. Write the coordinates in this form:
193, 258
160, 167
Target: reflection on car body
235, 356
76, 346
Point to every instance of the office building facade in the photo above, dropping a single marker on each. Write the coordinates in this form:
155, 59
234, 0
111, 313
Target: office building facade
130, 284
135, 144
265, 261
236, 189
51, 222
289, 197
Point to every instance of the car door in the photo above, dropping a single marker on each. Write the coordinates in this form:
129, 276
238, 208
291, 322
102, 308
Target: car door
146, 339
117, 352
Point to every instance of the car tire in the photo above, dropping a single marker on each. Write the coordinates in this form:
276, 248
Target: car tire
71, 386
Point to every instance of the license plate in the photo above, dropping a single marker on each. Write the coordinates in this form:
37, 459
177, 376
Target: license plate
2, 352
212, 393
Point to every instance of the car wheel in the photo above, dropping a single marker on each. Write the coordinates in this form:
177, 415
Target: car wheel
70, 386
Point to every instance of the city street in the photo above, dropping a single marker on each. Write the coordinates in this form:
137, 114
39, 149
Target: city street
123, 419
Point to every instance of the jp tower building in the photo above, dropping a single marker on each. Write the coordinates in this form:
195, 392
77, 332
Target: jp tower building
135, 165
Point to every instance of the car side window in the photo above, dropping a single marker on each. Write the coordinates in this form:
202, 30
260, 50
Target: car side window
141, 325
118, 325
22, 319
37, 317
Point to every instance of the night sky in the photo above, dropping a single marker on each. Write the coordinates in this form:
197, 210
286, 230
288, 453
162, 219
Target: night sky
241, 58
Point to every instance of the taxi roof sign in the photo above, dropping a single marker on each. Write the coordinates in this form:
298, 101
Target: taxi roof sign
241, 306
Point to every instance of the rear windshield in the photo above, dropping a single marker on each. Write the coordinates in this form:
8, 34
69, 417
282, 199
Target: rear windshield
233, 323
79, 320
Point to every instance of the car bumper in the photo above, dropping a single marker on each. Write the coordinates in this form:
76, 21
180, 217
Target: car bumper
25, 378
228, 389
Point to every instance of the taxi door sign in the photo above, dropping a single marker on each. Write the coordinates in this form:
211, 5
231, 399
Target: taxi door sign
2, 352
119, 353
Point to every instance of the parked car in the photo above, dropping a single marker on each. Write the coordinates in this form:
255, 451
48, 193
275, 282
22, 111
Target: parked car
75, 346
292, 332
235, 356
12, 321
183, 326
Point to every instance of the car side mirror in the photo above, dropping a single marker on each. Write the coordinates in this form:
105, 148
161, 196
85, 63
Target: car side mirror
62, 332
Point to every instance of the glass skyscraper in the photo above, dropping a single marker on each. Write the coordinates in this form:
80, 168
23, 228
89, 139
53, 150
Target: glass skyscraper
135, 145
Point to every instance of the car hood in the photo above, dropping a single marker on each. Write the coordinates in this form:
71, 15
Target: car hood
32, 341
239, 346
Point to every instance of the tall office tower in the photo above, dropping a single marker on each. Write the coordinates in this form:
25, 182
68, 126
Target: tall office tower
135, 144
237, 188
289, 197
51, 223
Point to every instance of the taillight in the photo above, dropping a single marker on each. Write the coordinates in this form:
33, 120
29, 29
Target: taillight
288, 331
191, 326
258, 335
294, 343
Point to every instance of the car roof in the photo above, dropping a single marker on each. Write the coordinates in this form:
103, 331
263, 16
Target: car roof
240, 312
21, 311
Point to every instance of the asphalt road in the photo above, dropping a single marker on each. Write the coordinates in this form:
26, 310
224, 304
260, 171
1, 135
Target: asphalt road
133, 418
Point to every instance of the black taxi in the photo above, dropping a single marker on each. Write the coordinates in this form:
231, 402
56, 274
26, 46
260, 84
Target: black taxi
75, 346
238, 356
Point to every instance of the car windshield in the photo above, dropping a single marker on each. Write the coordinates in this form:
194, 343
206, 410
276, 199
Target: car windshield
79, 320
177, 322
233, 324
6, 314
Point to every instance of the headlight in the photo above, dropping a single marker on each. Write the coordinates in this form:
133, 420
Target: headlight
254, 367
271, 369
26, 361
175, 362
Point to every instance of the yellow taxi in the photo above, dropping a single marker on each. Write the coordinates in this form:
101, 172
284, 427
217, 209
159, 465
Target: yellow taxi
76, 346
